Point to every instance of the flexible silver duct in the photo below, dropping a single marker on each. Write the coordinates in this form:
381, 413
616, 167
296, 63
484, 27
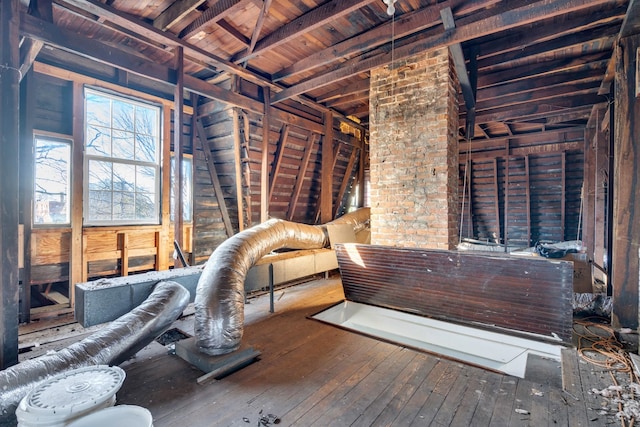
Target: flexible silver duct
219, 301
118, 341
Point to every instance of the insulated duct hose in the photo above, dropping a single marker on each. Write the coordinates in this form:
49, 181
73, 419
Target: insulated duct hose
219, 301
112, 345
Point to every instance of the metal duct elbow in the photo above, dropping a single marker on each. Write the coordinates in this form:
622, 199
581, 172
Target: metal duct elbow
219, 301
358, 219
112, 345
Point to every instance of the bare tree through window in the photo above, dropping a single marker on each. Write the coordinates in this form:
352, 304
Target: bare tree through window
122, 148
51, 181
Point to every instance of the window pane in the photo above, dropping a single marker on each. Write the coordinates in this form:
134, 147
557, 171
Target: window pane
145, 208
187, 193
122, 115
100, 205
145, 179
100, 175
124, 177
98, 141
147, 120
51, 182
123, 161
187, 190
123, 205
146, 148
123, 144
98, 110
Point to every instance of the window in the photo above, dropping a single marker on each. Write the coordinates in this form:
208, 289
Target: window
122, 155
51, 181
187, 188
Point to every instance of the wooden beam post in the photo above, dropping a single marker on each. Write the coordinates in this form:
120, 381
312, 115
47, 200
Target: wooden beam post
237, 158
302, 171
563, 197
76, 259
496, 199
213, 172
528, 197
264, 165
326, 190
346, 179
506, 194
178, 103
626, 211
164, 245
588, 192
27, 165
277, 161
361, 174
9, 162
601, 185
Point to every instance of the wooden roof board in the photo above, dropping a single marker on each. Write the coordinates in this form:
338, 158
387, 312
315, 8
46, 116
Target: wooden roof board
579, 39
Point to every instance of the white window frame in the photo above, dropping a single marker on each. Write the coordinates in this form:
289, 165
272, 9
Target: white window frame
156, 164
187, 214
40, 209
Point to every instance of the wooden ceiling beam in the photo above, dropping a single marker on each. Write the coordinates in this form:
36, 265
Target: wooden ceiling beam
258, 27
191, 52
630, 25
522, 40
535, 110
66, 40
28, 53
175, 12
218, 11
585, 42
534, 83
350, 89
548, 68
578, 51
309, 21
355, 97
539, 95
567, 134
233, 32
556, 147
164, 38
405, 25
543, 9
468, 91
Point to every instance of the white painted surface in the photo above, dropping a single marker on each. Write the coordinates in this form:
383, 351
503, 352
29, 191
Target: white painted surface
500, 352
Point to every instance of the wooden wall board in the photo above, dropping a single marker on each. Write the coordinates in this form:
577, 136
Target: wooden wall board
530, 295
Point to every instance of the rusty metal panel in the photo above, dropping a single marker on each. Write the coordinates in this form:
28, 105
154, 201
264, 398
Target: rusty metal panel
524, 294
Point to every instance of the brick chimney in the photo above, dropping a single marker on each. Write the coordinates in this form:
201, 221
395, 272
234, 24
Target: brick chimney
414, 152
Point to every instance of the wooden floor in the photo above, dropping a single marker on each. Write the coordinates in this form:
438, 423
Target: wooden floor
313, 374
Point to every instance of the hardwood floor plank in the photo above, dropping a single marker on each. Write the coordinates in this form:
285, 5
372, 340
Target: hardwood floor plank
410, 411
435, 400
572, 384
504, 403
523, 402
454, 401
359, 399
327, 403
486, 401
385, 409
559, 409
476, 383
311, 373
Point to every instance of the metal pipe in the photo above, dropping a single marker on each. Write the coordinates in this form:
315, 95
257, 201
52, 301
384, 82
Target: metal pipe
112, 345
219, 301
